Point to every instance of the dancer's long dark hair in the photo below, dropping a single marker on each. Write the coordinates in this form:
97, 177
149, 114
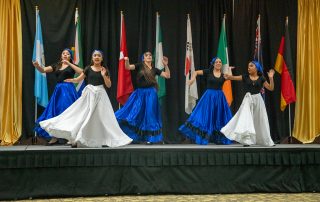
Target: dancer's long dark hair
102, 62
59, 64
211, 65
147, 74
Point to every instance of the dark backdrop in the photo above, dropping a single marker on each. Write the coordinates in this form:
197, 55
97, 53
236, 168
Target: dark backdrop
100, 30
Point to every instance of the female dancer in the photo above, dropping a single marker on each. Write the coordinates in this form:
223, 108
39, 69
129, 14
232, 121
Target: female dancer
250, 124
64, 93
212, 111
140, 117
89, 121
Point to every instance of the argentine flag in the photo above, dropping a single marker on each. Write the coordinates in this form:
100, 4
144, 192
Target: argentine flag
40, 83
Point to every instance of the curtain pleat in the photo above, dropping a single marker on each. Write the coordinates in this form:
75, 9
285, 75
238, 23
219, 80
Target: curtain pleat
10, 72
307, 119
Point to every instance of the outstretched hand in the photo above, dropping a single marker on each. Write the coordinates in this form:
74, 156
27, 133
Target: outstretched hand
165, 61
271, 73
66, 62
68, 80
190, 82
103, 71
227, 76
36, 64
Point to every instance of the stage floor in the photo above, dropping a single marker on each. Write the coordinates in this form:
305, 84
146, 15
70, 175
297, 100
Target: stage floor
61, 171
164, 146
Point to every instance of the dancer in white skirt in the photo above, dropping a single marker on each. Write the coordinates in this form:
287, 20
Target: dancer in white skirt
90, 121
250, 124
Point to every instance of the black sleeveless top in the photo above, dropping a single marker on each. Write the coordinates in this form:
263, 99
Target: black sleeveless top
141, 80
61, 75
213, 82
94, 78
251, 86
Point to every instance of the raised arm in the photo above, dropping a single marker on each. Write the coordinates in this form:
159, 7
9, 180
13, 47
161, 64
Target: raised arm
77, 69
127, 64
106, 77
194, 76
234, 78
269, 86
42, 69
166, 73
76, 80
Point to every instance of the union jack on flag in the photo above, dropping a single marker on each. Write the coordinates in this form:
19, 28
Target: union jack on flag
258, 51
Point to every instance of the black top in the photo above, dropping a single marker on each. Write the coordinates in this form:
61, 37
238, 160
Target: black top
66, 73
213, 82
142, 82
253, 87
94, 78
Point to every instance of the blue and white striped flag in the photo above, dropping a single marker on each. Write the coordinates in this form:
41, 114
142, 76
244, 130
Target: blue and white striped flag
40, 83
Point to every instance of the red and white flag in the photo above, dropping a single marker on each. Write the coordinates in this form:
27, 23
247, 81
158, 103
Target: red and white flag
125, 87
191, 95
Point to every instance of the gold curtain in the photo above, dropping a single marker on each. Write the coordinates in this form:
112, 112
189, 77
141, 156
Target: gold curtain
307, 117
10, 72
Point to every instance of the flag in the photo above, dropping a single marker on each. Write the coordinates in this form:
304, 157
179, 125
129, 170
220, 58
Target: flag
158, 60
77, 59
191, 95
258, 51
40, 83
77, 56
125, 86
223, 55
284, 67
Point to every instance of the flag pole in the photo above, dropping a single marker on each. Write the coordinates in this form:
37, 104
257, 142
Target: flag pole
290, 135
121, 13
34, 138
188, 17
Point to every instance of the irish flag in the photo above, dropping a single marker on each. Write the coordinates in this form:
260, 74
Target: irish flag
223, 55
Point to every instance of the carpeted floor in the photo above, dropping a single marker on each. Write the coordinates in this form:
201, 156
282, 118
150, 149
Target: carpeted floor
300, 197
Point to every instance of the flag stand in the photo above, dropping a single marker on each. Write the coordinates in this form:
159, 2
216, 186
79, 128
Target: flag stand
34, 138
290, 135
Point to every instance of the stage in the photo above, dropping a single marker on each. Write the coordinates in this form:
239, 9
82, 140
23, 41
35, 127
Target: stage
33, 171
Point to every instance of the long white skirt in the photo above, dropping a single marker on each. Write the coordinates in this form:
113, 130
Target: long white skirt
250, 124
89, 121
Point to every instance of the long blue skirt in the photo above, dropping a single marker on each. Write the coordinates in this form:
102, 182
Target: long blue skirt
140, 117
209, 116
63, 96
80, 87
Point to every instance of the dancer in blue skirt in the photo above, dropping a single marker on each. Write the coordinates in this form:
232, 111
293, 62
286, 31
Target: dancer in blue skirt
64, 93
140, 117
212, 111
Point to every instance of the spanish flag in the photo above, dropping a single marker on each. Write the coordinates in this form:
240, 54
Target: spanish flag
284, 67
